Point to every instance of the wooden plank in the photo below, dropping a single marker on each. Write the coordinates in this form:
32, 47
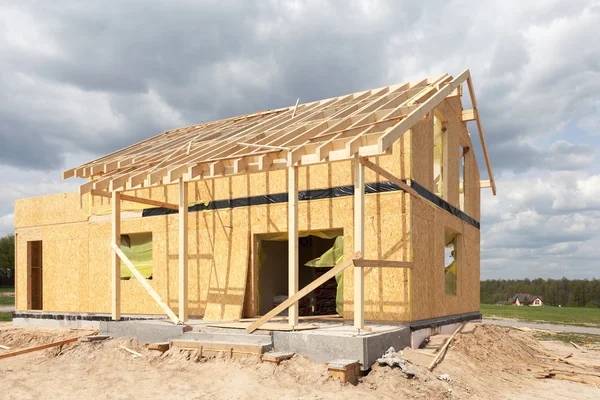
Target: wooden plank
38, 348
398, 130
362, 263
219, 346
359, 242
141, 200
469, 115
116, 263
162, 347
302, 292
183, 250
389, 176
269, 326
145, 283
442, 352
481, 135
293, 267
485, 184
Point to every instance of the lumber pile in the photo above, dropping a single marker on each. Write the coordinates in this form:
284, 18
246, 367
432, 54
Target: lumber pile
568, 369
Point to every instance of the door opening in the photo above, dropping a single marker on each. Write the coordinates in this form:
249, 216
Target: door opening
273, 273
35, 275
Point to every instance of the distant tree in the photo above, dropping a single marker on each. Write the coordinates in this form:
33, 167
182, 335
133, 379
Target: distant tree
574, 293
7, 257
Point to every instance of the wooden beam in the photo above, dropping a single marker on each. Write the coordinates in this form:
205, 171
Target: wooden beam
296, 107
37, 348
485, 184
119, 254
387, 139
481, 135
301, 293
469, 115
362, 263
293, 268
116, 263
183, 250
359, 241
389, 176
125, 197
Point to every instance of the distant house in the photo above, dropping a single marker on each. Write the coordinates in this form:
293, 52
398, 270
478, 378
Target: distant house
526, 299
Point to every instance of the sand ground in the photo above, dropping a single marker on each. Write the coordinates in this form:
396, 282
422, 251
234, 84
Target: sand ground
484, 362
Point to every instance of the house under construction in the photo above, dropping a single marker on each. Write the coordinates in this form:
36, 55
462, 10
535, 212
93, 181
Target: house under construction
365, 205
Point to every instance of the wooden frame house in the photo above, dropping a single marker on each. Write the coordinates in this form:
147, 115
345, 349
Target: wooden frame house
219, 219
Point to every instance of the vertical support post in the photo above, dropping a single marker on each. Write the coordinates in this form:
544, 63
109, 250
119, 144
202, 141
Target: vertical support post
116, 261
293, 274
359, 242
183, 251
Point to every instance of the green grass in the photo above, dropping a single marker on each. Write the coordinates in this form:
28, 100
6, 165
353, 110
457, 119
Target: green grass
7, 301
7, 289
5, 316
553, 315
578, 338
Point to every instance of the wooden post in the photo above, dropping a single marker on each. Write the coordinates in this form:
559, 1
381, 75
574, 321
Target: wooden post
183, 250
359, 242
116, 261
293, 274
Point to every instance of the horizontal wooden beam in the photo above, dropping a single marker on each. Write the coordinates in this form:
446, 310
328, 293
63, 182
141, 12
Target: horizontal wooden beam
302, 292
388, 176
145, 284
469, 115
135, 199
485, 184
362, 263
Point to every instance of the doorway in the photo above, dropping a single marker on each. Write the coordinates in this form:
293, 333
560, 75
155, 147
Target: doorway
273, 272
35, 275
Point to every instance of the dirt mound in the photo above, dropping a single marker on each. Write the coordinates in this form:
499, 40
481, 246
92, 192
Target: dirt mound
484, 362
35, 336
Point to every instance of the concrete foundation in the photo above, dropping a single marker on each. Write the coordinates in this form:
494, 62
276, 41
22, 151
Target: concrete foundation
328, 344
329, 341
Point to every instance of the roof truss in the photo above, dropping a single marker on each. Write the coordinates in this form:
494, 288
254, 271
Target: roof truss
364, 123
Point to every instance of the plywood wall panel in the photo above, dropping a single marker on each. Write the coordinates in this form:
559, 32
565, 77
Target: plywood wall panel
427, 282
422, 152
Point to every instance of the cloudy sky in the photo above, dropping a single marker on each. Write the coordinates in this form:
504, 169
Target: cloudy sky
81, 78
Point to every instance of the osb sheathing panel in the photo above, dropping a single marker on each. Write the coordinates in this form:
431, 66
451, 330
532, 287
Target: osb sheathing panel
23, 235
58, 208
452, 110
387, 237
271, 182
422, 151
428, 299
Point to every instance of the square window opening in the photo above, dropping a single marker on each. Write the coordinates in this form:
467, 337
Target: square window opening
138, 249
450, 263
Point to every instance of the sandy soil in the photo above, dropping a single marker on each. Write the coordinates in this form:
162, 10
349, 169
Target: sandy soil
485, 362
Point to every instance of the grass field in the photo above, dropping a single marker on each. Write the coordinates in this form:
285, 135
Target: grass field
552, 315
7, 289
5, 316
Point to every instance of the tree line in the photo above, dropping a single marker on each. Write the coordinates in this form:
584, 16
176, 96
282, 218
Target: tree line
7, 259
554, 292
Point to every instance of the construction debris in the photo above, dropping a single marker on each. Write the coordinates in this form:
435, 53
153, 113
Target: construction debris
347, 371
37, 348
276, 357
162, 347
134, 353
442, 352
93, 338
396, 359
4, 347
444, 377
